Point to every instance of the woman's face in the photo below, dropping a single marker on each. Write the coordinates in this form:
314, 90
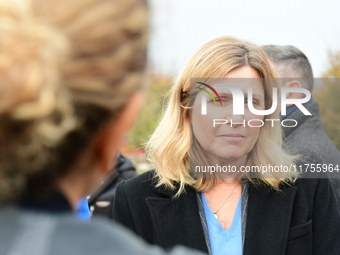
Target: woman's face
226, 143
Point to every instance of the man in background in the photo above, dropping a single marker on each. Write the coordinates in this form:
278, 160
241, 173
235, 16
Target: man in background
307, 138
102, 199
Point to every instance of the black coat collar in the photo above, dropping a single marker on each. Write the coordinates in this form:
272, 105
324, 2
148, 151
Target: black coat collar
177, 220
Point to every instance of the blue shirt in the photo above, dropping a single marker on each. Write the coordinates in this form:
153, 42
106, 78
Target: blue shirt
222, 241
83, 211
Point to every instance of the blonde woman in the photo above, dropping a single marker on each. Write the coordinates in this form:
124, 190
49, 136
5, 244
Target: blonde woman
70, 87
244, 213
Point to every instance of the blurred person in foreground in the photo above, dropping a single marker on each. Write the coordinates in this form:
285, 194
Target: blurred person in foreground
236, 212
308, 138
70, 82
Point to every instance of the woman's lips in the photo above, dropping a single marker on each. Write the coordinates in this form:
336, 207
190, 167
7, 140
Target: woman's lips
233, 137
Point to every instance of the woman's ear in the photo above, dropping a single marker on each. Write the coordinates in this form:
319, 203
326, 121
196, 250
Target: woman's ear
110, 137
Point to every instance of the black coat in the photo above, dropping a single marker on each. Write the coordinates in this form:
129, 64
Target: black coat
302, 219
101, 200
312, 142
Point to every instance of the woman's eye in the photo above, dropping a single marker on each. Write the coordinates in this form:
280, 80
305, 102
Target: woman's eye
223, 99
255, 102
216, 100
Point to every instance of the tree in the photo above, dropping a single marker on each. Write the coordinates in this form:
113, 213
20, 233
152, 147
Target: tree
329, 98
158, 87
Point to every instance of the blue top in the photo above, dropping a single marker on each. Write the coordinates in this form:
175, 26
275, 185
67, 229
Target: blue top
83, 211
224, 241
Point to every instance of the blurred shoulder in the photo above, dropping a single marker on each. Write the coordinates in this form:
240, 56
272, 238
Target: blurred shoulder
98, 236
63, 233
101, 236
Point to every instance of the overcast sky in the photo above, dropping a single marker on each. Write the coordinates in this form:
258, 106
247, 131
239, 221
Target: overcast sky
181, 27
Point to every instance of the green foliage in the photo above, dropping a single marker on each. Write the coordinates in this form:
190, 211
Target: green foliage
329, 98
334, 66
150, 114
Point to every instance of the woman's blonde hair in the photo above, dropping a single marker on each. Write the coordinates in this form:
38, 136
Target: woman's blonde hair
66, 67
170, 146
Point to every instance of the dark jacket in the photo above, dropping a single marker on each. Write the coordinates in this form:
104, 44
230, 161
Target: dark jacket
101, 200
50, 228
310, 141
302, 219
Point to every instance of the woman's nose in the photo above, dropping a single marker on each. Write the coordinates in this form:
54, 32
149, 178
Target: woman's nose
236, 120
